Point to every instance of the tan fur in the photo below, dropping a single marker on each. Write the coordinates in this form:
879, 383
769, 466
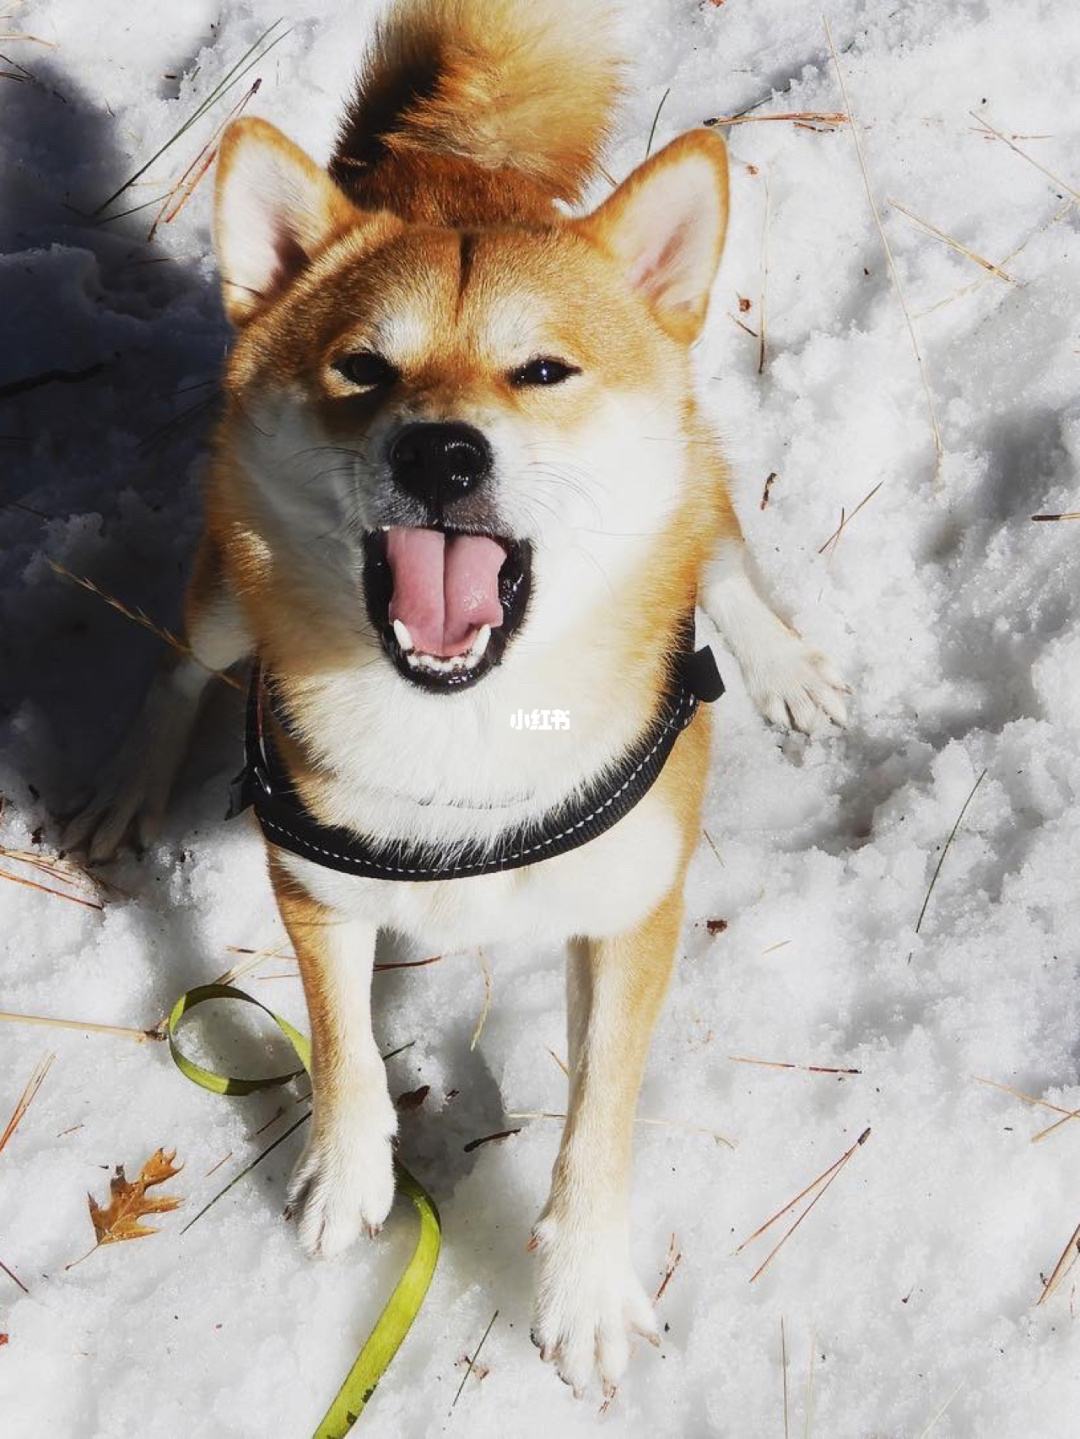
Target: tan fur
504, 86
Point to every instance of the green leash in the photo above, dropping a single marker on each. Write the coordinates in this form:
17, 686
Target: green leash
402, 1307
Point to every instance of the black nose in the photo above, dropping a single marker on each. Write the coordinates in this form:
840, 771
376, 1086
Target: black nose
439, 463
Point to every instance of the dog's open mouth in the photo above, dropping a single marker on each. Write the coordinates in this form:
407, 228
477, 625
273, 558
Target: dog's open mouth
445, 603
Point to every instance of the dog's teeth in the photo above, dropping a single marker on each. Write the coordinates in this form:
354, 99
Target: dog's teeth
403, 637
480, 643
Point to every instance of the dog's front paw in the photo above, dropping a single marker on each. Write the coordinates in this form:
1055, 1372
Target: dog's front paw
342, 1187
589, 1301
132, 802
794, 685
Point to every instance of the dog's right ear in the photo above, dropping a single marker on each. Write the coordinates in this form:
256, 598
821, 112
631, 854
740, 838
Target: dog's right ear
274, 211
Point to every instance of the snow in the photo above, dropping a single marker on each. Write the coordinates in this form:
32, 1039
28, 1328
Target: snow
913, 1283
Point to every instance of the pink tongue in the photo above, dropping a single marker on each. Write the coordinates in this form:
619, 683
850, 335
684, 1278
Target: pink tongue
445, 587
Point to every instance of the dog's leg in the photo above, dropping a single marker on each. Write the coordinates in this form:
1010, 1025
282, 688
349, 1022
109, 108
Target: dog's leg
589, 1298
343, 1184
134, 789
792, 684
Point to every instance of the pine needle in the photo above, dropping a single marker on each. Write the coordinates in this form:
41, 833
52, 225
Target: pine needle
783, 1361
945, 850
1056, 180
939, 448
233, 77
26, 1099
1071, 515
656, 119
475, 1356
247, 1170
784, 1064
185, 187
674, 1259
846, 520
821, 1184
13, 1277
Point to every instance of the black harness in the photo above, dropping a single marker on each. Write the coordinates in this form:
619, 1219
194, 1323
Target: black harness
264, 785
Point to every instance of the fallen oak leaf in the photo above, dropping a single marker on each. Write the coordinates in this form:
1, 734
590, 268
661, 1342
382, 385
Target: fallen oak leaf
129, 1202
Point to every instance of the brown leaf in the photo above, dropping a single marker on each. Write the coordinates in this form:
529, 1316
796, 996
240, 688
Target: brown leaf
129, 1201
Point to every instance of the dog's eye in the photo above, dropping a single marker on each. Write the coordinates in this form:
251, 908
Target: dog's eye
543, 371
366, 369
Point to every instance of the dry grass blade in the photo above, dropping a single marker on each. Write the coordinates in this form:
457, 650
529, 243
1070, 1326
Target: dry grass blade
1058, 215
783, 1361
846, 520
821, 1184
939, 448
1061, 185
485, 970
1069, 1256
472, 1360
140, 618
945, 850
1050, 1129
1019, 1094
83, 1026
937, 1415
952, 242
26, 1099
809, 119
62, 869
48, 889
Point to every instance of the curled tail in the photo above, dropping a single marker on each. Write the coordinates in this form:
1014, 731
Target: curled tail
528, 85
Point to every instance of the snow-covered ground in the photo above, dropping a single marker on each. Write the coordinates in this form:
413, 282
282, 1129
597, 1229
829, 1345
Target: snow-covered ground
912, 1285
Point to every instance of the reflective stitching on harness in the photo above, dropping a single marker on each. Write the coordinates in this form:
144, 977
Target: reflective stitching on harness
513, 855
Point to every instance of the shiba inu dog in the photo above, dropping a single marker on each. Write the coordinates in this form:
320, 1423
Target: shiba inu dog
461, 476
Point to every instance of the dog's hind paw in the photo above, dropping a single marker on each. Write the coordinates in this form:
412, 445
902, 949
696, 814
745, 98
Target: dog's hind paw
589, 1303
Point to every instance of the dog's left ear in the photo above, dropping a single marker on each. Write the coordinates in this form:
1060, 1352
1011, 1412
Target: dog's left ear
666, 225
